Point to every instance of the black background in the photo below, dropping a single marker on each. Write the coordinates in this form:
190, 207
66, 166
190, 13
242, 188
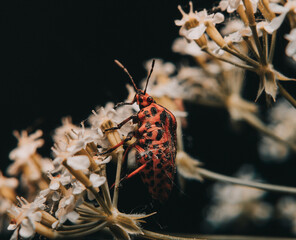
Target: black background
57, 60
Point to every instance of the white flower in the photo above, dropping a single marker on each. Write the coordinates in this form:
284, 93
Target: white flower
203, 18
186, 17
25, 216
79, 162
27, 144
287, 210
283, 124
183, 46
275, 23
97, 180
109, 113
67, 128
232, 5
8, 182
231, 201
291, 47
66, 207
80, 139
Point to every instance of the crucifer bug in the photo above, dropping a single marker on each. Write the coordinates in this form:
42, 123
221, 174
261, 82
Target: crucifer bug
156, 141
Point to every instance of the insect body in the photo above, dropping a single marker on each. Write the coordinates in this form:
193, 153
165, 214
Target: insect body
156, 142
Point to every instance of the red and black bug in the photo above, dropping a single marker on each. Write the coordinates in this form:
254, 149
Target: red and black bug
156, 141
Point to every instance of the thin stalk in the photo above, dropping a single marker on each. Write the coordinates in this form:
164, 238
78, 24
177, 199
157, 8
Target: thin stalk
90, 206
265, 44
256, 123
286, 95
263, 186
85, 233
251, 47
237, 237
117, 180
243, 66
272, 47
106, 193
258, 44
78, 226
242, 57
180, 145
159, 236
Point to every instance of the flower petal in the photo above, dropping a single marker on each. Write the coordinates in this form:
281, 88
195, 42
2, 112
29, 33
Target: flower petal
197, 32
78, 162
275, 23
97, 180
27, 229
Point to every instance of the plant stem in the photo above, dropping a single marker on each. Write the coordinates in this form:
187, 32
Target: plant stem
237, 237
256, 123
63, 235
159, 236
263, 186
286, 95
272, 47
243, 66
117, 180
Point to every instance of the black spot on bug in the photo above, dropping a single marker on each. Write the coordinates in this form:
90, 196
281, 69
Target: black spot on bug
148, 142
168, 155
158, 124
147, 125
169, 169
159, 165
166, 144
140, 100
152, 183
159, 175
159, 155
159, 134
149, 164
150, 153
163, 116
147, 115
153, 111
149, 134
155, 146
150, 173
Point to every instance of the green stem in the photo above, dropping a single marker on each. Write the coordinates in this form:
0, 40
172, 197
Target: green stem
263, 186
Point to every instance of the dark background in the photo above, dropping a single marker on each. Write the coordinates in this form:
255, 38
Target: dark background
57, 60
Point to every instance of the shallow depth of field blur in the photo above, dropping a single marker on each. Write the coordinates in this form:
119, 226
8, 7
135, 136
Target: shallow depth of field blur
58, 61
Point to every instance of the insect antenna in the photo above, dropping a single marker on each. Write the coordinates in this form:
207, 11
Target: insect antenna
126, 71
151, 70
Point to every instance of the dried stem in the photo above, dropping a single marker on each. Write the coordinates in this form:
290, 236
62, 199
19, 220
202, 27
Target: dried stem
229, 237
263, 186
272, 47
117, 180
158, 236
243, 66
259, 125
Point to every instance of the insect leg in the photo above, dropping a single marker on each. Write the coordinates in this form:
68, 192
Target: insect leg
128, 137
122, 123
139, 169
